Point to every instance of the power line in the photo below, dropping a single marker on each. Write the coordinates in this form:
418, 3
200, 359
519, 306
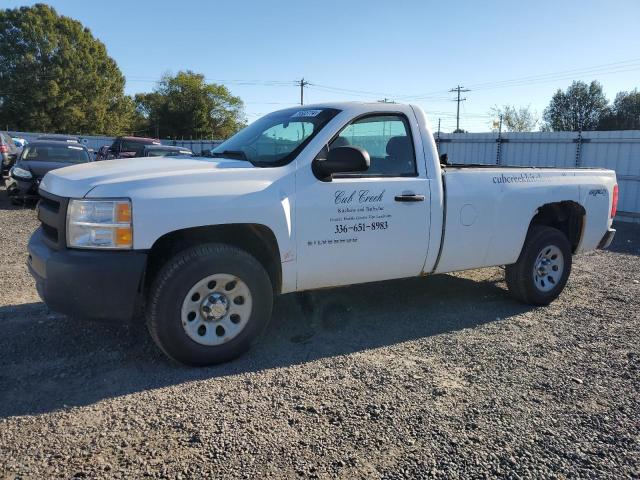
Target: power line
349, 90
602, 69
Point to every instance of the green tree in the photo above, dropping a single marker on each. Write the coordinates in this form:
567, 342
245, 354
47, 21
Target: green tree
521, 119
185, 105
582, 106
625, 112
56, 77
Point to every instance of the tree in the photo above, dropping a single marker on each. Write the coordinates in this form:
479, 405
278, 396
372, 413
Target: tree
521, 119
624, 114
185, 105
56, 77
581, 107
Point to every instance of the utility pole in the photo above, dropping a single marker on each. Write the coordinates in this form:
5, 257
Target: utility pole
302, 84
459, 89
499, 140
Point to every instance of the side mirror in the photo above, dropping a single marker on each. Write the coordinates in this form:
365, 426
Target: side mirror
341, 160
444, 159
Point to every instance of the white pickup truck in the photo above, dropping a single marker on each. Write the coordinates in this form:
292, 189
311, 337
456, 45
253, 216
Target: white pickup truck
303, 198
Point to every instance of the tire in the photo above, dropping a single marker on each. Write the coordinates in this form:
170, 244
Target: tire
543, 267
191, 326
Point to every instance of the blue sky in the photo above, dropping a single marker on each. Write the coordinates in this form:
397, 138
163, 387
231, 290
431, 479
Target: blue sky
403, 50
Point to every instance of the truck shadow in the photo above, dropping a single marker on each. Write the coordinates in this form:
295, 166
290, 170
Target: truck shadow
627, 239
6, 204
50, 362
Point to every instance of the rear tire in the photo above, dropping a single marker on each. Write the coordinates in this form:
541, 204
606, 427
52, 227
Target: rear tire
543, 267
208, 304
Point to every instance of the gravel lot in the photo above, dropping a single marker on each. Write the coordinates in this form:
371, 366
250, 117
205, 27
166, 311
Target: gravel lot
437, 377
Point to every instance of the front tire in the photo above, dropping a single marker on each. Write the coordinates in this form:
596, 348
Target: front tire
208, 304
542, 270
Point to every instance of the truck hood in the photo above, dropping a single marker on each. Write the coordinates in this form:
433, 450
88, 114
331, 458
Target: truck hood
76, 181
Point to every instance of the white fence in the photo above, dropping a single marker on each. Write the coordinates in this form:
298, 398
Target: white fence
618, 150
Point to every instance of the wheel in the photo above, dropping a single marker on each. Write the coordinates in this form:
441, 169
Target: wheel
543, 268
208, 304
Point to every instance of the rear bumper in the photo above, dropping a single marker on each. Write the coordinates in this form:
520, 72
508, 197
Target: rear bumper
89, 284
607, 239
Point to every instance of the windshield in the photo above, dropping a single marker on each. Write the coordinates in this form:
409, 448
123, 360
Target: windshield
55, 153
276, 138
168, 153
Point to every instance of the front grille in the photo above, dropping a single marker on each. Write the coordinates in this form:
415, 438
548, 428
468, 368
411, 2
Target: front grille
52, 213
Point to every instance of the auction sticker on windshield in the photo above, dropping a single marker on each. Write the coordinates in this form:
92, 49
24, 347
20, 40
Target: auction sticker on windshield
306, 113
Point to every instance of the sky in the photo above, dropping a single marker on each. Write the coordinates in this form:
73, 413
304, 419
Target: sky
504, 52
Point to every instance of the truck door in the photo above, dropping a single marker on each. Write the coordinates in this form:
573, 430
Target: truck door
368, 226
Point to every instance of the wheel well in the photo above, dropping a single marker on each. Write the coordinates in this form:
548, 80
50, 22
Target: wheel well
257, 240
566, 216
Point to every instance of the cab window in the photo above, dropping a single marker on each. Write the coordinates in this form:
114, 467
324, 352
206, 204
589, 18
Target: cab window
387, 139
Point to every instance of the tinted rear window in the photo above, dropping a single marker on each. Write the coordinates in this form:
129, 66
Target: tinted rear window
135, 145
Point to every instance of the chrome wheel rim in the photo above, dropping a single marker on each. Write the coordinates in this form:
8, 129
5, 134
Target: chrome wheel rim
216, 309
548, 268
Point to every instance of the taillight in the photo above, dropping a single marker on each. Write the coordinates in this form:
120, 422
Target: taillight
614, 203
4, 148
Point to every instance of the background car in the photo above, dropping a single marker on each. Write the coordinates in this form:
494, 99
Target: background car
126, 147
20, 142
8, 152
38, 158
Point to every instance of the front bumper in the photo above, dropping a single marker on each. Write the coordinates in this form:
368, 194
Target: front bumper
607, 239
25, 189
103, 285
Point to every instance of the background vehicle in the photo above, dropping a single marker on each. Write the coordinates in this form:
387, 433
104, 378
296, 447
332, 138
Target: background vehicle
20, 142
38, 158
303, 198
8, 153
126, 147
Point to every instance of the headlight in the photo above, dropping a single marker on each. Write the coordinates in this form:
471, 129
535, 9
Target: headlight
21, 173
99, 224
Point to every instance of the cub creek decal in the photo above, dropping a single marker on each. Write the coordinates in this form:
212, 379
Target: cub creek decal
357, 212
357, 196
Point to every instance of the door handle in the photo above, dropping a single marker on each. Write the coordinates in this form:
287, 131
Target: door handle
409, 198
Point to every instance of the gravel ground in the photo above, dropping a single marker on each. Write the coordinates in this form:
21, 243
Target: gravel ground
444, 376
